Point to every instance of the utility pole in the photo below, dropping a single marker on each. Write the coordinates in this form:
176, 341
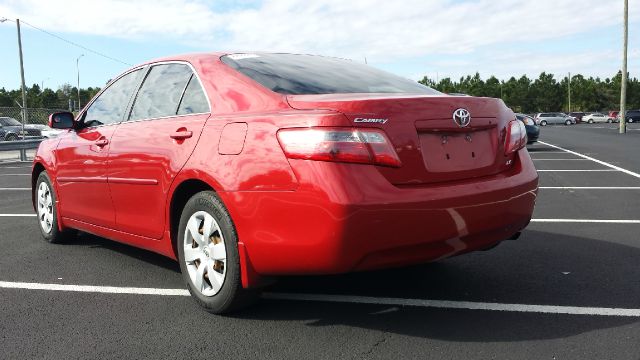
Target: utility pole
569, 85
78, 69
623, 87
24, 92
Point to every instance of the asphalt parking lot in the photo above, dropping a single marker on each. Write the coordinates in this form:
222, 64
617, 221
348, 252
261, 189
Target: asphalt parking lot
569, 288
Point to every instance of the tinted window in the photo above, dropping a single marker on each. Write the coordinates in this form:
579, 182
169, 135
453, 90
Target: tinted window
194, 100
109, 107
161, 91
9, 122
307, 74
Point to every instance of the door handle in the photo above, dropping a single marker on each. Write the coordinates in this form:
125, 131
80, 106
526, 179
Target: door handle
102, 142
181, 135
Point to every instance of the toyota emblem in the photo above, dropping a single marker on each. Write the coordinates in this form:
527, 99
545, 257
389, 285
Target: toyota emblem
462, 117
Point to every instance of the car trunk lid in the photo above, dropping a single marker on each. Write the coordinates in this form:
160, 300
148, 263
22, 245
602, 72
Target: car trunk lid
431, 145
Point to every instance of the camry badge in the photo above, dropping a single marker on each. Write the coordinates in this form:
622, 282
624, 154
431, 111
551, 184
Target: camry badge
368, 120
462, 117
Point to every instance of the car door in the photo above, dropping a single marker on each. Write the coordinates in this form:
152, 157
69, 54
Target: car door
82, 155
149, 149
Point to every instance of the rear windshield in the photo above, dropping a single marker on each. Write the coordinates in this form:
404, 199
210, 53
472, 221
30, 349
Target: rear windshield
308, 74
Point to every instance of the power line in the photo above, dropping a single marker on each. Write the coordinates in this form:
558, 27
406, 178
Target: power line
73, 43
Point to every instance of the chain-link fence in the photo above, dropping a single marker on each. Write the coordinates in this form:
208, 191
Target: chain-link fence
34, 116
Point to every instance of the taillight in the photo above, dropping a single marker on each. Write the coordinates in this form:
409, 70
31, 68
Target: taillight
352, 145
516, 137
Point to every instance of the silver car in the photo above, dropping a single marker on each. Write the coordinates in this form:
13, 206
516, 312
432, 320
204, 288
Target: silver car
596, 118
544, 119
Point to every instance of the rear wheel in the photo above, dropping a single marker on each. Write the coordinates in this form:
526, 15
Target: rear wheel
11, 137
630, 120
543, 123
208, 255
48, 212
609, 121
590, 121
568, 122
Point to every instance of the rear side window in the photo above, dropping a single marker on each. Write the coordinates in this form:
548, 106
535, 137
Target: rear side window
194, 101
161, 91
307, 74
110, 106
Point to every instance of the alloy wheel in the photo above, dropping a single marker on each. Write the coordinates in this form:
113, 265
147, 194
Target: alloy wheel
45, 207
205, 253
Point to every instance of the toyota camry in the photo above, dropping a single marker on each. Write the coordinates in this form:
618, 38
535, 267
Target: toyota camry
246, 166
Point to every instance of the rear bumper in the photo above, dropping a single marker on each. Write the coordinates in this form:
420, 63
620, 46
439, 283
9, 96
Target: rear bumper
348, 217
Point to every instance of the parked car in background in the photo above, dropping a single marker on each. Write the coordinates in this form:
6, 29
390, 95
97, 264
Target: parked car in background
613, 115
49, 133
533, 131
577, 116
544, 119
243, 167
596, 118
631, 117
11, 130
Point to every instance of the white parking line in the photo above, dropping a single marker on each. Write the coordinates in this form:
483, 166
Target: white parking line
591, 187
618, 168
545, 152
578, 170
15, 174
15, 189
15, 167
17, 215
601, 221
441, 304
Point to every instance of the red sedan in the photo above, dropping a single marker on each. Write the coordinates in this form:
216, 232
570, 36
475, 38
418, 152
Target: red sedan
244, 167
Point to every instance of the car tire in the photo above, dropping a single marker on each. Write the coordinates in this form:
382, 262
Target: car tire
543, 123
609, 121
630, 120
590, 121
210, 264
47, 212
568, 122
11, 137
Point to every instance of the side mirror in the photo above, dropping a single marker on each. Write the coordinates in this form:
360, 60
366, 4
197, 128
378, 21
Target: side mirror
61, 120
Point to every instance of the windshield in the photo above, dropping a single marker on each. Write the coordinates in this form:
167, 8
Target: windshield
308, 74
10, 122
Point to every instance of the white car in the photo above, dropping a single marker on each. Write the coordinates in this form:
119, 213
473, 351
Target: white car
49, 133
596, 118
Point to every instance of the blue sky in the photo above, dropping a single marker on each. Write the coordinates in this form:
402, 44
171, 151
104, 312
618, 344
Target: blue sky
412, 38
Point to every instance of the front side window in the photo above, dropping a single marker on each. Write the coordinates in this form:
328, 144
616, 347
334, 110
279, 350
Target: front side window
110, 106
161, 91
292, 74
194, 101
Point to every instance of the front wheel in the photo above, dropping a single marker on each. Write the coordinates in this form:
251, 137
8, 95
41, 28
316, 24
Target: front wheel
590, 121
630, 121
568, 122
543, 123
609, 121
46, 207
11, 137
208, 255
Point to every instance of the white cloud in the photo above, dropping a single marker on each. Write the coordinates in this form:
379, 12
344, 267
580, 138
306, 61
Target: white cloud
382, 30
386, 29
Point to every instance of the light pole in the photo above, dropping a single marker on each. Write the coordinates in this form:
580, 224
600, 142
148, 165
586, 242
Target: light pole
623, 87
42, 83
78, 69
569, 87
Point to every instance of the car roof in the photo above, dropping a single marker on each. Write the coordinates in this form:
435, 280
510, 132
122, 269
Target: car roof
190, 57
